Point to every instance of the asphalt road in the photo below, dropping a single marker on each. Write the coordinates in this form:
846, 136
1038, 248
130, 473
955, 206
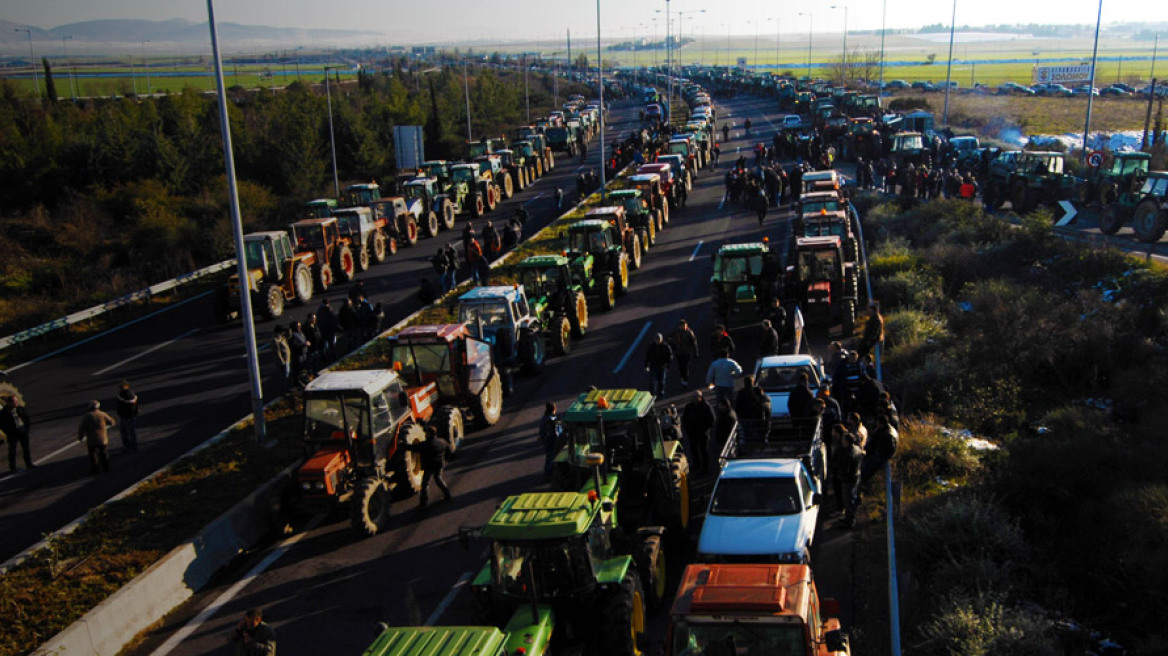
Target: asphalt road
190, 373
326, 593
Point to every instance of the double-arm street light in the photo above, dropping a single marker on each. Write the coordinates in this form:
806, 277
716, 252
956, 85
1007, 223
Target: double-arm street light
332, 136
36, 81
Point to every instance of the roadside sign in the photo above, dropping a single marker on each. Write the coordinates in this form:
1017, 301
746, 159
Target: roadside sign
1062, 74
1069, 213
1095, 159
742, 62
408, 146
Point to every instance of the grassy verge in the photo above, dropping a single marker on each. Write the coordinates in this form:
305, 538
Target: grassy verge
988, 115
1055, 351
74, 573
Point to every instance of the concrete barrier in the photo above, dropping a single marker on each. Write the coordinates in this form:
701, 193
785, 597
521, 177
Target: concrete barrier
105, 630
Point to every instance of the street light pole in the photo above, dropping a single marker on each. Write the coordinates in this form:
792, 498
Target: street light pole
1155, 47
778, 38
754, 59
883, 16
526, 92
332, 136
844, 55
72, 81
146, 67
36, 81
949, 67
1091, 82
600, 85
466, 97
810, 31
253, 364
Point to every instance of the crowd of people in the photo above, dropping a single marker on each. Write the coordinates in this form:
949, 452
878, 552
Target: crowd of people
302, 348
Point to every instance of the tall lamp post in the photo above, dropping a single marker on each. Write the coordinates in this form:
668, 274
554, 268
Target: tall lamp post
810, 31
883, 16
844, 55
253, 366
949, 66
466, 97
778, 37
1091, 82
72, 81
146, 67
600, 86
754, 58
36, 81
332, 136
682, 15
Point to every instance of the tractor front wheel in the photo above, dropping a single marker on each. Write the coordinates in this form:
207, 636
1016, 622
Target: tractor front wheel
410, 232
345, 263
579, 317
302, 283
508, 185
406, 466
669, 495
362, 259
621, 618
379, 250
649, 557
622, 276
635, 252
446, 213
448, 423
272, 298
1109, 220
607, 292
324, 276
369, 508
431, 224
488, 405
531, 351
561, 333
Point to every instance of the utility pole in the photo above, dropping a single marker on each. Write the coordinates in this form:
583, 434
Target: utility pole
949, 67
332, 137
36, 81
72, 80
571, 64
1091, 82
600, 84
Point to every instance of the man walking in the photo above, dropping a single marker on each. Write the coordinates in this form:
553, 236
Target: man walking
93, 431
873, 330
696, 421
769, 342
254, 636
721, 375
15, 425
550, 430
658, 357
433, 453
845, 472
685, 348
881, 447
128, 413
283, 353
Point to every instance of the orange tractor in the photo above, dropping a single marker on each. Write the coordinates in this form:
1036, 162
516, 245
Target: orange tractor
331, 258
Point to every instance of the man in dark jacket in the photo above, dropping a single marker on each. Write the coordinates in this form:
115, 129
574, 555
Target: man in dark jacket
800, 398
845, 472
696, 421
882, 446
658, 357
868, 395
685, 348
326, 319
128, 413
748, 408
550, 430
769, 342
724, 424
433, 453
350, 323
721, 343
254, 636
15, 425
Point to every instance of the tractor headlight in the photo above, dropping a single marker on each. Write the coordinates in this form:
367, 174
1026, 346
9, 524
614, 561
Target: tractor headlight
319, 485
306, 486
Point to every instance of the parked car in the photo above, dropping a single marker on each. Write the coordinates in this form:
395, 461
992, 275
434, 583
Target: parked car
1114, 91
897, 85
1086, 89
922, 85
792, 121
1015, 89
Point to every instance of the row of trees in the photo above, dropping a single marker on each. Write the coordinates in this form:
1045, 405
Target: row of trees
103, 196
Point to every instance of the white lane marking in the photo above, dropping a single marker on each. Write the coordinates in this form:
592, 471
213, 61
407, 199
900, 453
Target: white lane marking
221, 601
534, 198
43, 459
145, 353
448, 599
695, 251
110, 331
632, 348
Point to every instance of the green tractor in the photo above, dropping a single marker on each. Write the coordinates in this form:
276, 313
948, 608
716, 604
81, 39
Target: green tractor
486, 146
472, 182
1146, 209
600, 240
452, 641
1028, 179
741, 271
622, 424
555, 299
640, 217
527, 156
1124, 172
562, 573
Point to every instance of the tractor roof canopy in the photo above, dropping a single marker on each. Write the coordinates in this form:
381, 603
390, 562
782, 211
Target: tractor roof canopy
611, 405
368, 381
751, 589
541, 516
438, 641
446, 332
543, 262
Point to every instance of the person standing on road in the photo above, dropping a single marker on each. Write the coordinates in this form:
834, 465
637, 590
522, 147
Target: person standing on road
724, 424
311, 330
329, 327
716, 153
721, 375
685, 348
583, 152
283, 353
845, 473
16, 425
873, 330
93, 430
433, 453
128, 413
769, 342
299, 345
696, 421
721, 341
550, 430
450, 277
881, 447
726, 132
253, 636
658, 357
559, 199
800, 398
350, 323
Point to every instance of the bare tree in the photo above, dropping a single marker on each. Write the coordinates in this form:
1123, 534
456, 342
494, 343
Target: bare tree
860, 64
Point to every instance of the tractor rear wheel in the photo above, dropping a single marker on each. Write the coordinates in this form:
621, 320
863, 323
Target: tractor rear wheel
302, 283
410, 231
649, 557
1147, 221
579, 317
406, 466
622, 276
664, 215
669, 496
508, 185
431, 224
362, 259
1109, 220
378, 247
369, 508
448, 423
272, 298
561, 334
492, 197
488, 405
635, 252
651, 234
621, 618
447, 214
521, 178
391, 246
344, 263
477, 208
324, 276
531, 351
607, 292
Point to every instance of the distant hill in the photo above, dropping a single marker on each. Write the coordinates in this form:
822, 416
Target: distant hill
90, 36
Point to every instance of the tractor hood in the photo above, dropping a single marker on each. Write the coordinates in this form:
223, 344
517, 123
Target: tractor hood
318, 476
782, 536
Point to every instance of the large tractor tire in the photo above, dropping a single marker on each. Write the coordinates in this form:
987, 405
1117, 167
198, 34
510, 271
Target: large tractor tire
271, 299
488, 405
302, 283
607, 292
620, 622
379, 247
344, 264
490, 198
664, 215
635, 252
409, 231
531, 351
507, 185
561, 334
1148, 221
323, 273
391, 246
669, 494
551, 161
520, 178
622, 276
362, 259
649, 557
431, 224
650, 235
369, 507
477, 207
449, 425
446, 214
848, 319
579, 318
1110, 220
1020, 197
406, 467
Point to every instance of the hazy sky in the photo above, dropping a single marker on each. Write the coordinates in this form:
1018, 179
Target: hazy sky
507, 20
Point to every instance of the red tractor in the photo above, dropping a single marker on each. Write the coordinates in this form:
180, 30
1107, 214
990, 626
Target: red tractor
332, 259
824, 282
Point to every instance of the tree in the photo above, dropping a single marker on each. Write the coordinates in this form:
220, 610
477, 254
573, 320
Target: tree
931, 58
581, 62
435, 133
50, 83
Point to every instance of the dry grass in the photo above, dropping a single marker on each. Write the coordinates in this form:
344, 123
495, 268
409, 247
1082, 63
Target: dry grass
990, 114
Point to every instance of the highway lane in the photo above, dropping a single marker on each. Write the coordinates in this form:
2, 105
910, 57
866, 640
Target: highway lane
190, 374
328, 591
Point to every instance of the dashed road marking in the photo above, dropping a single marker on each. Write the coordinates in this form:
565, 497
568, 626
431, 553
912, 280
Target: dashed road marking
632, 348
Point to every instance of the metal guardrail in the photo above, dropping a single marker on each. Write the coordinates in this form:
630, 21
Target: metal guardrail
98, 310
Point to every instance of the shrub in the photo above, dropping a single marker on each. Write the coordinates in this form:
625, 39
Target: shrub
926, 454
977, 624
915, 288
910, 327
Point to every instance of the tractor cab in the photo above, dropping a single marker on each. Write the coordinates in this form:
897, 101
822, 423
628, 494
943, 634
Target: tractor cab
502, 317
266, 253
362, 195
545, 277
596, 237
524, 149
446, 355
633, 201
465, 174
438, 169
321, 235
421, 189
320, 208
741, 271
651, 188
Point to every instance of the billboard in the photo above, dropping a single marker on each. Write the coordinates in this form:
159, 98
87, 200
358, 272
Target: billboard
742, 62
1062, 74
408, 146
